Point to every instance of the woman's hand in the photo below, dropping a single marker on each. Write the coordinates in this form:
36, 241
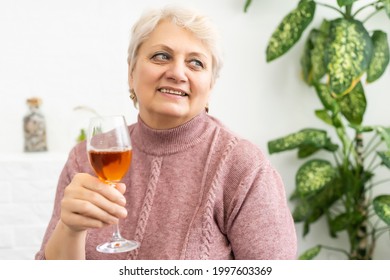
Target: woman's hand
90, 203
87, 203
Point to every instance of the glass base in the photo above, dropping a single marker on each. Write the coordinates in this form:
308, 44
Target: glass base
118, 246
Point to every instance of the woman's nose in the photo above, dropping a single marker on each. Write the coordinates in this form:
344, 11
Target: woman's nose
177, 72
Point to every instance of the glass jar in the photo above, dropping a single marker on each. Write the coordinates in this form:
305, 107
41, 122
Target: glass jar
34, 127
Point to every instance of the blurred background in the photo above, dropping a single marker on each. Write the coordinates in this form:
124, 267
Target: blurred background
72, 54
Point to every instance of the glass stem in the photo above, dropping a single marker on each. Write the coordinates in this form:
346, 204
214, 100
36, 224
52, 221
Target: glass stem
116, 236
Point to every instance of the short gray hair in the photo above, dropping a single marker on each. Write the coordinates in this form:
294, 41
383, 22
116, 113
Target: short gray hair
200, 25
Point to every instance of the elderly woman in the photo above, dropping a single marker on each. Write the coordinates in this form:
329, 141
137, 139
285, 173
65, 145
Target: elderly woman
194, 190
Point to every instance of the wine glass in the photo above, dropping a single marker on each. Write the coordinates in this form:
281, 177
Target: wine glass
109, 152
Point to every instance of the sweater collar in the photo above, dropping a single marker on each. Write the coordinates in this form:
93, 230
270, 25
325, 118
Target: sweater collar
169, 141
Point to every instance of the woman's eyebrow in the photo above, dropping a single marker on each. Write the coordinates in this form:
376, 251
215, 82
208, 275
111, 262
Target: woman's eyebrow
171, 50
198, 54
162, 46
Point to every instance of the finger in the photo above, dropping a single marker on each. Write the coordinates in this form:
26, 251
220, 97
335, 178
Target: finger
120, 187
79, 222
101, 202
88, 210
94, 184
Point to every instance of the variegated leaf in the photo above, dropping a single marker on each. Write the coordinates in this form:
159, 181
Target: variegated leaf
347, 55
324, 116
384, 133
330, 146
301, 212
382, 207
345, 2
311, 208
342, 221
318, 56
380, 56
386, 4
247, 4
313, 176
312, 137
306, 151
306, 59
385, 156
362, 129
289, 31
339, 223
326, 97
353, 105
312, 61
310, 253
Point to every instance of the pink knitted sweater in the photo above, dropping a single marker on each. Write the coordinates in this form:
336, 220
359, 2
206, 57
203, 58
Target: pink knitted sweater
194, 192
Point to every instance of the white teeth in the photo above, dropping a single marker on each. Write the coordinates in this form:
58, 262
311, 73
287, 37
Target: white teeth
175, 92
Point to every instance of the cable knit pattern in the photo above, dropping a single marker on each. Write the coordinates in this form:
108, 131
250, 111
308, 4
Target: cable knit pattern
197, 191
147, 205
208, 217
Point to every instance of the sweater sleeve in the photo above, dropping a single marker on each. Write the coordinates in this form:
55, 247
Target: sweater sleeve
259, 224
69, 170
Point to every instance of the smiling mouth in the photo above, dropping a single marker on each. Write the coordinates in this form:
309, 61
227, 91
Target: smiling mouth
173, 92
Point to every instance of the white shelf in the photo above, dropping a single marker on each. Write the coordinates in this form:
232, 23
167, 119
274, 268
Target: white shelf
33, 157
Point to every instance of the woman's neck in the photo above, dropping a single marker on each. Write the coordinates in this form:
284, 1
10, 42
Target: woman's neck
168, 141
165, 121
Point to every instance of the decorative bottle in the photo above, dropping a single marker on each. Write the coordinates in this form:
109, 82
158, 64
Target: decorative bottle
34, 127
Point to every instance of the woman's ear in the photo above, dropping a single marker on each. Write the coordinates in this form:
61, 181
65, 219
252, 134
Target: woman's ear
212, 83
130, 77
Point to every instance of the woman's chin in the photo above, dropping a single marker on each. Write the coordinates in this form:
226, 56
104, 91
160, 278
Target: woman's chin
173, 111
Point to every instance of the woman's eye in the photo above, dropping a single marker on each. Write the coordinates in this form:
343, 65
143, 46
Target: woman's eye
160, 56
197, 63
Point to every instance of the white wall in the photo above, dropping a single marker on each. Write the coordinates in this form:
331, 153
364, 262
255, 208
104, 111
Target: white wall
73, 53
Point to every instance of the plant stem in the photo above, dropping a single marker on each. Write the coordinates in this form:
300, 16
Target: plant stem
383, 230
336, 249
367, 153
369, 167
375, 167
378, 183
342, 134
336, 159
364, 7
373, 243
86, 108
372, 214
370, 143
348, 11
359, 150
372, 14
330, 7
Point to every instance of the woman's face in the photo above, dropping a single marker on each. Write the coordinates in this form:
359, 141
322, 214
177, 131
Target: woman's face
172, 76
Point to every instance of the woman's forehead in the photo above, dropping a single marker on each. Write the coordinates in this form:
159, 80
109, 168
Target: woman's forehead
173, 36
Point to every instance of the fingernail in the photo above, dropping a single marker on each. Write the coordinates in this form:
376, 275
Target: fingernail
123, 212
122, 199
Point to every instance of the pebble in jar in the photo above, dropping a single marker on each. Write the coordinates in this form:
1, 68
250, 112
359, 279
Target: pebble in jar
34, 127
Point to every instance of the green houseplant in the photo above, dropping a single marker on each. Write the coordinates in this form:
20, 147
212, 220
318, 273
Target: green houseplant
337, 57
